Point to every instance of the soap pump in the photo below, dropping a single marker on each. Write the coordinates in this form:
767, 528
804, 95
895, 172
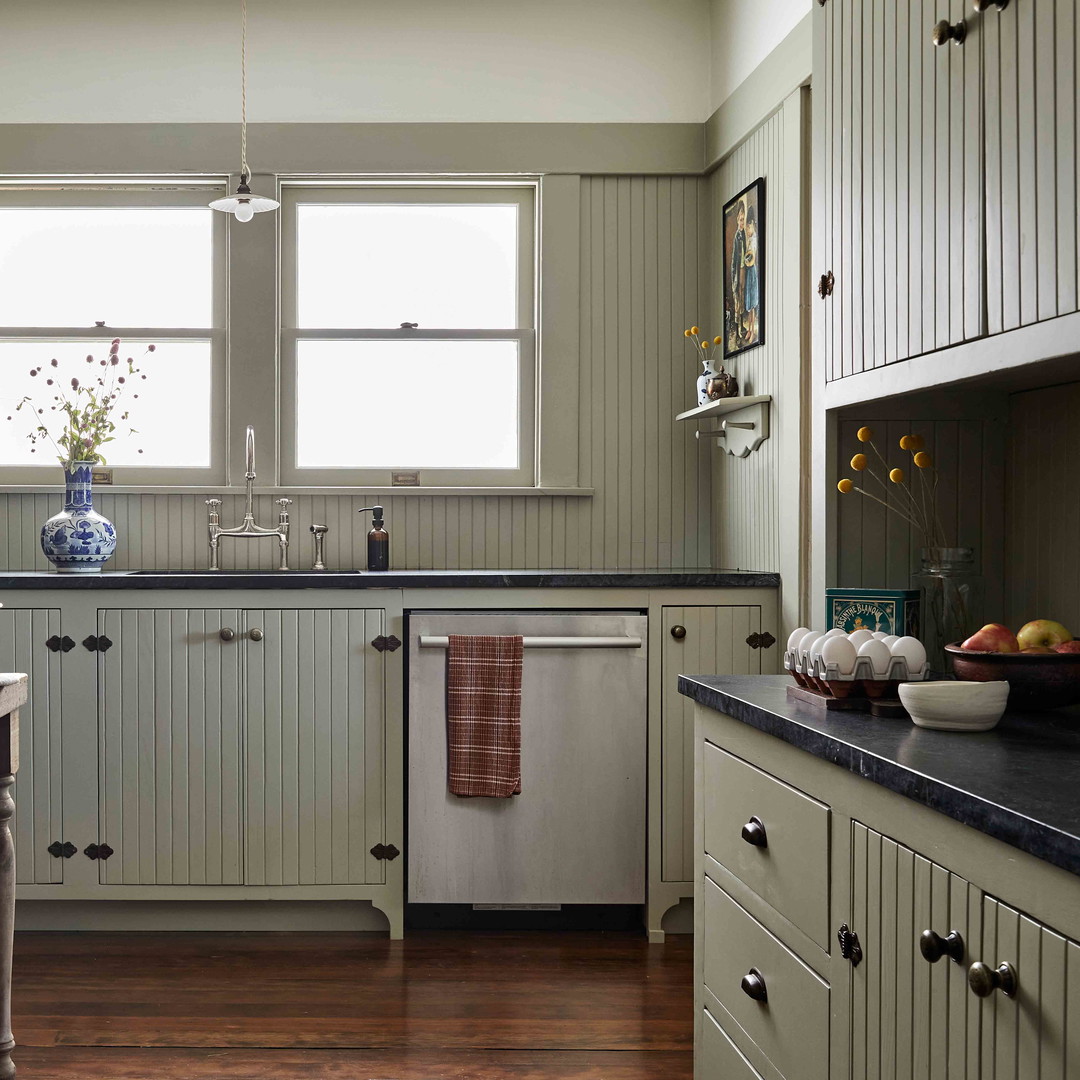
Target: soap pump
378, 540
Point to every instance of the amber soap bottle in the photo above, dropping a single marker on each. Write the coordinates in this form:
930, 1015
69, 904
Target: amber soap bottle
378, 540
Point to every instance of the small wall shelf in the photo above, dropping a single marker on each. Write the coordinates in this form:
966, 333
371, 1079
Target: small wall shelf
744, 422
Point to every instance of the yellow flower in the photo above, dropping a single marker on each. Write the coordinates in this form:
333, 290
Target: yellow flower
845, 486
693, 329
916, 442
687, 333
923, 460
865, 434
905, 442
704, 344
718, 341
897, 476
858, 462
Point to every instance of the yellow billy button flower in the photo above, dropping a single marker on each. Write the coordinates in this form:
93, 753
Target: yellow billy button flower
859, 462
718, 341
865, 434
905, 442
687, 333
923, 460
916, 442
896, 476
694, 329
704, 344
845, 486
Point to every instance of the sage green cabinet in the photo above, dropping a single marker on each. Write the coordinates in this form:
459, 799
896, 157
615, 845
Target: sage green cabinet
31, 642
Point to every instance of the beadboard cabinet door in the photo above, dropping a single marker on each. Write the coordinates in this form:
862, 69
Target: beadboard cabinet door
314, 747
697, 640
39, 820
169, 729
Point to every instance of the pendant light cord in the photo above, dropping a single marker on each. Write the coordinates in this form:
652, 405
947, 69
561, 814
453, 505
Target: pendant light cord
245, 172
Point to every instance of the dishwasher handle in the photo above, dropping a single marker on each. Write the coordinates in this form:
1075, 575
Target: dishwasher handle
433, 641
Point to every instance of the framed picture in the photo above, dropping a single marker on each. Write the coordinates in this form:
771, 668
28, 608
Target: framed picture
744, 270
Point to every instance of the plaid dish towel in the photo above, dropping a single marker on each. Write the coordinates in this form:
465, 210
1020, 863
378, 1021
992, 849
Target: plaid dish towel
483, 715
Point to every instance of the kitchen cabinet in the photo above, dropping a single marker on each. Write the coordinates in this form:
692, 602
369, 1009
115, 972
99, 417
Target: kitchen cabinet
947, 189
31, 641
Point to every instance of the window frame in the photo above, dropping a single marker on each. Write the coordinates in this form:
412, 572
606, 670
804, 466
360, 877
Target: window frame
523, 192
53, 192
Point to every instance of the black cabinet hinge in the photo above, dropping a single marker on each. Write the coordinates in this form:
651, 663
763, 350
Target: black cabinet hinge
97, 644
825, 284
56, 644
761, 641
61, 851
386, 644
385, 851
98, 851
850, 949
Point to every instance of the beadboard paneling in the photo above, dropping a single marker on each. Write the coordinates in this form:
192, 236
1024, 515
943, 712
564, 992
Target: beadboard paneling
1043, 507
642, 281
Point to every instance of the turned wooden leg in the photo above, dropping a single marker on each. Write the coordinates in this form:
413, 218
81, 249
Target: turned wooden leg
7, 923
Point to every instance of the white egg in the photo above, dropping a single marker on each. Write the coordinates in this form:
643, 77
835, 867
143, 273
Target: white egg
815, 649
857, 637
888, 639
879, 656
807, 640
879, 634
796, 636
839, 651
913, 652
836, 632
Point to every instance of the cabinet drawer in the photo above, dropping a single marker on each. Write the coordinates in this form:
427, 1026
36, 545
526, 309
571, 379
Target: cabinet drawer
791, 1027
791, 871
718, 1057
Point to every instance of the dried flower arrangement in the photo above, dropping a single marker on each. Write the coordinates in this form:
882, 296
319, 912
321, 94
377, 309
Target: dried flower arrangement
88, 406
715, 383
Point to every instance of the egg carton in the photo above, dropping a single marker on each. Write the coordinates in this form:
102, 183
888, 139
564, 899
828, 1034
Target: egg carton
828, 678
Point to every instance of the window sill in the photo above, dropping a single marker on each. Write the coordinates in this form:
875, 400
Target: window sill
221, 489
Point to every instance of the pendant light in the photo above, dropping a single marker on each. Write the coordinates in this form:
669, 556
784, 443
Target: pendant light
244, 204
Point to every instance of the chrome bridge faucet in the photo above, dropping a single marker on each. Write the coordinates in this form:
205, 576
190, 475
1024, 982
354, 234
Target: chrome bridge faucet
247, 529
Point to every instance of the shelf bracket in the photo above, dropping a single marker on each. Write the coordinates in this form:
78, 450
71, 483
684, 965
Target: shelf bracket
743, 430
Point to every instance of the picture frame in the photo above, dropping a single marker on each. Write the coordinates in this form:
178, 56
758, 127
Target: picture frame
744, 269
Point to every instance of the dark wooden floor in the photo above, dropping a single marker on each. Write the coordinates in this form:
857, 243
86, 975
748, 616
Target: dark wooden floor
453, 1005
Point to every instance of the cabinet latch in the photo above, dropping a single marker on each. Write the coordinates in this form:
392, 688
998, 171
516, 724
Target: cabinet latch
385, 851
58, 644
386, 644
825, 284
97, 644
98, 851
61, 851
850, 949
761, 641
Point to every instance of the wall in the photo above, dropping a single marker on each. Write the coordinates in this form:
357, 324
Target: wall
124, 61
742, 34
643, 279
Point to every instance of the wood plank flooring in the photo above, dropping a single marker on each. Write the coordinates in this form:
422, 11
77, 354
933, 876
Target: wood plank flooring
441, 1004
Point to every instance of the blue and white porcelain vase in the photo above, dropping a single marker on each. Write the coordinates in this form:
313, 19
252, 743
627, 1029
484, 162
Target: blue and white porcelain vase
78, 540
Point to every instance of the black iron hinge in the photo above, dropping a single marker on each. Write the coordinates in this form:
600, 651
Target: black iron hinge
385, 851
386, 644
850, 949
98, 851
825, 284
56, 644
761, 641
61, 851
97, 644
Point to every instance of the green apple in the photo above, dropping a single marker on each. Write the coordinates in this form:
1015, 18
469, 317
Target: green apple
1042, 632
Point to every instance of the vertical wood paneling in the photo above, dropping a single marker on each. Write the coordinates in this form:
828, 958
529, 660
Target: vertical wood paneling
169, 751
37, 792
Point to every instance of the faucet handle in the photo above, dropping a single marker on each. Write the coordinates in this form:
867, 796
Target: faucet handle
283, 502
213, 502
319, 530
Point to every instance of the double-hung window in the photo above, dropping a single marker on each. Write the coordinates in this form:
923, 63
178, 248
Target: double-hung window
408, 341
82, 264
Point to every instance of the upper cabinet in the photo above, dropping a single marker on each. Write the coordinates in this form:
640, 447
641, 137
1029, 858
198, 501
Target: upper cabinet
946, 173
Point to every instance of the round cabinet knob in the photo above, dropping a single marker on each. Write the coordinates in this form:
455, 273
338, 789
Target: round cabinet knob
226, 633
934, 947
255, 634
678, 632
753, 985
984, 980
945, 32
753, 832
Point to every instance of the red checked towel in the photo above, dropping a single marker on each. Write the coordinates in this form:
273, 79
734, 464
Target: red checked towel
483, 715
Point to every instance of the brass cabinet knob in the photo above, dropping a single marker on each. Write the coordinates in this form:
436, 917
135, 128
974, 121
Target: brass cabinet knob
985, 5
984, 980
753, 985
226, 633
753, 832
678, 632
255, 634
933, 947
946, 31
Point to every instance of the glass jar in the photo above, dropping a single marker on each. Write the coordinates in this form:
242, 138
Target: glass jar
951, 607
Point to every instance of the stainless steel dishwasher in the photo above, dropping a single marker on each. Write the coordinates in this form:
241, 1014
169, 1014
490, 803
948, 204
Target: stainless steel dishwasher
576, 833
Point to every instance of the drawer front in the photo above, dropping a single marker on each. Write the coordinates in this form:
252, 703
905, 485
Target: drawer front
791, 871
718, 1057
791, 1027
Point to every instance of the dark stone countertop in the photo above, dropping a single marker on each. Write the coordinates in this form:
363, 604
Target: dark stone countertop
1016, 782
392, 579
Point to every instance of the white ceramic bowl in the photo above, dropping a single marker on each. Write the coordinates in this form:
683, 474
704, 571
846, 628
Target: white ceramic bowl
955, 706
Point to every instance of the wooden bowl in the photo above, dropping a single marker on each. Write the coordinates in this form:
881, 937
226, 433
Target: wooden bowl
1036, 681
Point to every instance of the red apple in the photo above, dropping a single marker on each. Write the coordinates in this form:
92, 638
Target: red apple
1068, 647
993, 637
1043, 632
1037, 649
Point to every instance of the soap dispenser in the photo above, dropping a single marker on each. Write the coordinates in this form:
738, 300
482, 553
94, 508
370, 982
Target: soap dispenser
378, 540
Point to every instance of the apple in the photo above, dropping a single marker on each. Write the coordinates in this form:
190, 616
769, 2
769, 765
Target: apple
1068, 647
1036, 649
1043, 632
993, 637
